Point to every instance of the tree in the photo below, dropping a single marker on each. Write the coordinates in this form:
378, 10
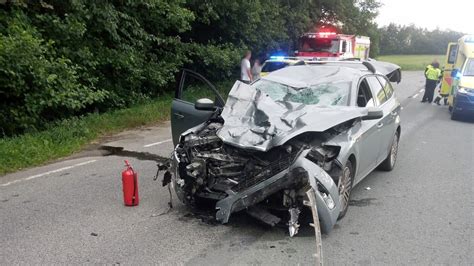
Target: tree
398, 39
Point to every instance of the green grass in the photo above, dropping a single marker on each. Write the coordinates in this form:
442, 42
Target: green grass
412, 62
68, 136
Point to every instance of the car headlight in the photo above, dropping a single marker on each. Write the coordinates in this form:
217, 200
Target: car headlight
326, 197
464, 90
328, 200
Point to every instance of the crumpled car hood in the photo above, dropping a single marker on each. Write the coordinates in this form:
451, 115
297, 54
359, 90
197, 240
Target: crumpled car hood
253, 120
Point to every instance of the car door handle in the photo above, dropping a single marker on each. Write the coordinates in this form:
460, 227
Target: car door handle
179, 116
379, 125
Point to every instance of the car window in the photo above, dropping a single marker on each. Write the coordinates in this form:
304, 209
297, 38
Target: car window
272, 66
452, 54
324, 94
194, 89
319, 45
387, 87
377, 89
469, 69
364, 95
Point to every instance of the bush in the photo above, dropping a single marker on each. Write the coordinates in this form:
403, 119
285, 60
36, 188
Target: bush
36, 84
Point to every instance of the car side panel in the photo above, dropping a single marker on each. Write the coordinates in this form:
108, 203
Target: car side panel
391, 111
391, 119
367, 143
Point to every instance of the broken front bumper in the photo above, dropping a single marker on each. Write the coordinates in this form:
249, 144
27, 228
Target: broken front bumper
326, 191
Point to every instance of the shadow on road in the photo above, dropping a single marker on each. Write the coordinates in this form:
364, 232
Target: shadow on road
143, 156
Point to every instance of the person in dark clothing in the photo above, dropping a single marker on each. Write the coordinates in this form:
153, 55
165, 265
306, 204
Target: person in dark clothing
432, 75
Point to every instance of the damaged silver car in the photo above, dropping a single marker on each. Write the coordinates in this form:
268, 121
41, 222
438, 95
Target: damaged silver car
317, 129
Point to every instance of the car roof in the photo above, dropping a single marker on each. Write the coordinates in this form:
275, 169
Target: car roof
307, 75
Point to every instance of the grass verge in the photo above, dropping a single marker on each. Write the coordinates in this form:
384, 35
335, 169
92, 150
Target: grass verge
412, 62
68, 136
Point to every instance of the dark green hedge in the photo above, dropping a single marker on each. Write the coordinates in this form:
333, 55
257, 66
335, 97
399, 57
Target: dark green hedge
398, 39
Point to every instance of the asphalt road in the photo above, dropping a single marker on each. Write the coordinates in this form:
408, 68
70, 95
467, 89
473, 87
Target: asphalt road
420, 213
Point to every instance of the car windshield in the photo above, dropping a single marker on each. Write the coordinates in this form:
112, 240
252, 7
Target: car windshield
323, 94
469, 69
319, 45
272, 66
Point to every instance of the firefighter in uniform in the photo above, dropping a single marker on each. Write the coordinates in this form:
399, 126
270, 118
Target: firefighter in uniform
433, 76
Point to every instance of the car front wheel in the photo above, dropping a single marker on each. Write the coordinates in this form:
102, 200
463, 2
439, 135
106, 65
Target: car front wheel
345, 187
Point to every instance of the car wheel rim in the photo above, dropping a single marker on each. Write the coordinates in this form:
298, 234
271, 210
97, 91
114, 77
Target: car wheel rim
345, 184
394, 151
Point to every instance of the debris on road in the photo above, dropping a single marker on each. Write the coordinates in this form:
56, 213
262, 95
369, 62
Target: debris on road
166, 179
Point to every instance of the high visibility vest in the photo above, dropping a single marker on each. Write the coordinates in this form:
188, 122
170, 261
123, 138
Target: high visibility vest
432, 73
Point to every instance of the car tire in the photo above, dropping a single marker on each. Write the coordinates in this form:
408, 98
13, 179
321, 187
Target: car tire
345, 187
389, 163
454, 115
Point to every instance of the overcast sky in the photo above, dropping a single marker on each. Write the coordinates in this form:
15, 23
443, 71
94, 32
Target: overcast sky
447, 14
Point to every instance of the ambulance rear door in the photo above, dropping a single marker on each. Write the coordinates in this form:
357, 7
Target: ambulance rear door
451, 54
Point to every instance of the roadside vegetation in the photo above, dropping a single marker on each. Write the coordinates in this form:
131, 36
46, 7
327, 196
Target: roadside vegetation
412, 62
63, 138
411, 40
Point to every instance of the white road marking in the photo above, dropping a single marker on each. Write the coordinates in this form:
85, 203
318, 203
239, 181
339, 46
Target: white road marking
157, 143
414, 96
47, 173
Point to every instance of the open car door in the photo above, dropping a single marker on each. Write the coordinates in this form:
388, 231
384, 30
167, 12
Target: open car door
184, 115
391, 71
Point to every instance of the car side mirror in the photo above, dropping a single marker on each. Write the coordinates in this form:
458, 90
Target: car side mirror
373, 113
204, 104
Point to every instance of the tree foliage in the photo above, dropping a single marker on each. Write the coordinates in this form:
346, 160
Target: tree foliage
62, 58
398, 39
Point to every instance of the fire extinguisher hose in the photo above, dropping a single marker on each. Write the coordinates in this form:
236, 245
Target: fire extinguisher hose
135, 187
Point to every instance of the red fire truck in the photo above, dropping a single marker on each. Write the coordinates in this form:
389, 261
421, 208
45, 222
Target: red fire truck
329, 45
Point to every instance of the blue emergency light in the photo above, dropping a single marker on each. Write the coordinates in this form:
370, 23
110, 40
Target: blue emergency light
277, 57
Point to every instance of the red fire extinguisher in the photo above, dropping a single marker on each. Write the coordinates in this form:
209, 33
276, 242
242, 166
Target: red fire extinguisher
130, 186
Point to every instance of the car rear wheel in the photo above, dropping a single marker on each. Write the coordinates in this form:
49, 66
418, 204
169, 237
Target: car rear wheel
389, 163
345, 187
